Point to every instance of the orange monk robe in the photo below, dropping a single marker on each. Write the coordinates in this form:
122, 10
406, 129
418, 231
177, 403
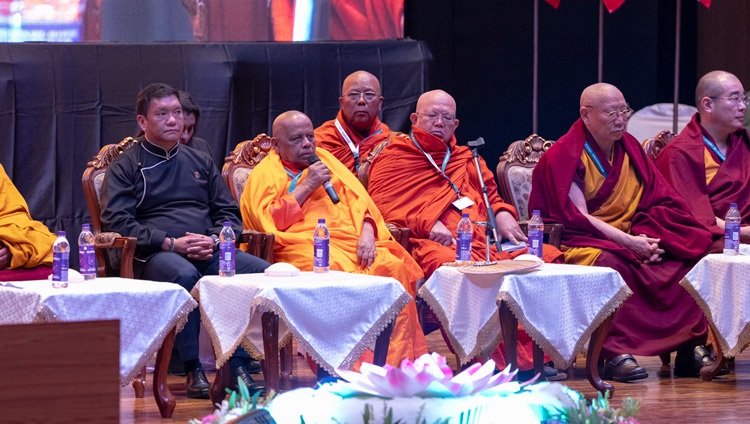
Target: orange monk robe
366, 19
267, 206
328, 137
411, 193
29, 241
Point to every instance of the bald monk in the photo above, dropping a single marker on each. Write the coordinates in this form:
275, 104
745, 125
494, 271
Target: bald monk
618, 211
708, 163
424, 182
357, 129
24, 243
284, 196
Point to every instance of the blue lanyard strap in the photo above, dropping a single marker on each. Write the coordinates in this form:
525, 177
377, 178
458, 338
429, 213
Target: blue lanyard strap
593, 157
432, 161
354, 148
710, 144
295, 179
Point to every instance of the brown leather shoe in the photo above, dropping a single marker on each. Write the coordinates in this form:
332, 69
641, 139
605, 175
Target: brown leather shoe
623, 368
688, 362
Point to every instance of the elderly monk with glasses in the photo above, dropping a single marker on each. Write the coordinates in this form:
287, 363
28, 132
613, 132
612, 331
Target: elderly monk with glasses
708, 163
426, 180
618, 211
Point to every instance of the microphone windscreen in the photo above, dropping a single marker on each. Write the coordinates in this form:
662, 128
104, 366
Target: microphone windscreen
312, 158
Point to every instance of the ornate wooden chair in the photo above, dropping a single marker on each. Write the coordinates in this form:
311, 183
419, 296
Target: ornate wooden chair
236, 170
514, 180
109, 263
654, 146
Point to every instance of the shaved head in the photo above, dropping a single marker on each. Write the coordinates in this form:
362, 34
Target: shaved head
361, 101
597, 94
603, 110
293, 138
436, 114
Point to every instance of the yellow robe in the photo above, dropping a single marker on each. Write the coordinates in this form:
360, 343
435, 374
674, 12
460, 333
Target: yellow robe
267, 206
29, 241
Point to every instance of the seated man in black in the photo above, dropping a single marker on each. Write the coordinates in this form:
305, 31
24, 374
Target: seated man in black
174, 201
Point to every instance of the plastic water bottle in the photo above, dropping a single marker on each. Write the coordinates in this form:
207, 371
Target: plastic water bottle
226, 250
732, 231
463, 239
321, 238
536, 234
60, 258
87, 253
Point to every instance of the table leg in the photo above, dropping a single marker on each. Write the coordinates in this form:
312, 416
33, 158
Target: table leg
509, 327
539, 362
270, 322
164, 398
708, 373
139, 384
382, 343
221, 382
592, 358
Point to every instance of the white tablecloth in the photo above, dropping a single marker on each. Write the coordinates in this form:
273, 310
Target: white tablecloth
147, 311
334, 316
558, 305
720, 286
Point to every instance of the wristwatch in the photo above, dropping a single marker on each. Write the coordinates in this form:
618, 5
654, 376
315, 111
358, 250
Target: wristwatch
216, 242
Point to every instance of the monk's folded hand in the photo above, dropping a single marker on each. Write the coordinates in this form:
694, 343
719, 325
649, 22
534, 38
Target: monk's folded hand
366, 246
198, 247
507, 227
441, 234
4, 256
645, 247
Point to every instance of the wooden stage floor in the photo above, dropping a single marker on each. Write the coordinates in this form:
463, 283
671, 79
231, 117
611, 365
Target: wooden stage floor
664, 399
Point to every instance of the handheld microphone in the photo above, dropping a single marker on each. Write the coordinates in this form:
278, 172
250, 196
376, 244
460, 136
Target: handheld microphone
328, 186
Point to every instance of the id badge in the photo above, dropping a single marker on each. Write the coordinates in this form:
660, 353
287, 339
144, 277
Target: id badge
463, 203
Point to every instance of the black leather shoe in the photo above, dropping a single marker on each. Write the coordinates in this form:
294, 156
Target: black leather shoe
623, 368
253, 366
253, 386
196, 385
688, 362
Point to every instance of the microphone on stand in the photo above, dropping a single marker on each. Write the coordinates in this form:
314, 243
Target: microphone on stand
328, 186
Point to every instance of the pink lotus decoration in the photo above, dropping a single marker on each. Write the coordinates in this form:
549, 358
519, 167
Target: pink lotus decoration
428, 376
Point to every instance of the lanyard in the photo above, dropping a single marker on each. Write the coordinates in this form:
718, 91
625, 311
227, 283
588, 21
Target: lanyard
445, 163
295, 179
593, 157
354, 148
713, 148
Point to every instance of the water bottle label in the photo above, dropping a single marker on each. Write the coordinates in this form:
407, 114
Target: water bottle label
463, 247
320, 260
732, 236
535, 242
87, 259
226, 256
59, 266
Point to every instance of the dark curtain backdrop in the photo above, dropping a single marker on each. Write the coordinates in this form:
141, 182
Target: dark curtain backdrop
483, 52
60, 103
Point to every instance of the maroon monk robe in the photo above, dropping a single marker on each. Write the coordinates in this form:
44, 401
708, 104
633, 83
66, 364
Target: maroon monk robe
660, 316
683, 166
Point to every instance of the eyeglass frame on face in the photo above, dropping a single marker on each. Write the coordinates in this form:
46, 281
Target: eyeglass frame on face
735, 99
434, 116
614, 114
368, 95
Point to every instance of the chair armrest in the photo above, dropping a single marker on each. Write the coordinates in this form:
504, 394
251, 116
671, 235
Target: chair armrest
400, 235
552, 232
111, 240
258, 244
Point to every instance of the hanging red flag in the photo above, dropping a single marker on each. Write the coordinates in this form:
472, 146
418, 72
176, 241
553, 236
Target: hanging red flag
556, 3
706, 3
613, 5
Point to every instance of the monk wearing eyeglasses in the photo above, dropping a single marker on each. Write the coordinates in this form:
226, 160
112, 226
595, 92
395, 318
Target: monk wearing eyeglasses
425, 181
618, 211
357, 128
708, 163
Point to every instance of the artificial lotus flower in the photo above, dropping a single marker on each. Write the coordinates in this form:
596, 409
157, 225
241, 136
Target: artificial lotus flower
428, 376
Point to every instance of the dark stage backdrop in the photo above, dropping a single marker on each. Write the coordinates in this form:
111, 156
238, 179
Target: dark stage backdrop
60, 103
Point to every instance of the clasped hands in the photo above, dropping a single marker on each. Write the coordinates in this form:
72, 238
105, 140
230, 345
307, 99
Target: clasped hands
646, 248
197, 247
